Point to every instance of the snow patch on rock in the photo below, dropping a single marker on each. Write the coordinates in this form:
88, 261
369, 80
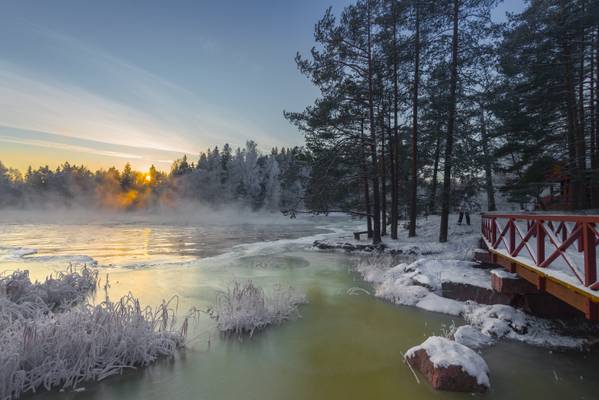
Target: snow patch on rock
444, 353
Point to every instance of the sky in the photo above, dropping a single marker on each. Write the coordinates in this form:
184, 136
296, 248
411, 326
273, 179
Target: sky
103, 83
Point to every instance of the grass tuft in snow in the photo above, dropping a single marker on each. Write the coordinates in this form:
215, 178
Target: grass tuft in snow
244, 308
51, 338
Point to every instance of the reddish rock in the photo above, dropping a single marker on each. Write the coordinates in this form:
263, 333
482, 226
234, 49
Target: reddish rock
482, 256
508, 283
481, 295
449, 366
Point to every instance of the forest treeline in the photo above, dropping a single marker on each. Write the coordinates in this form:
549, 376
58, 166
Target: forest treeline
423, 102
243, 178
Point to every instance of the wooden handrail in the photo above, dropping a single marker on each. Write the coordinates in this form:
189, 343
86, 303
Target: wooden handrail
582, 231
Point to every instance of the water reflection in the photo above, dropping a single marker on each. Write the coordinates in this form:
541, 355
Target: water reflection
138, 246
344, 346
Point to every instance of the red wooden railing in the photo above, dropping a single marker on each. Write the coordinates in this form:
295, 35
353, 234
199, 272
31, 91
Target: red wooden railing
543, 239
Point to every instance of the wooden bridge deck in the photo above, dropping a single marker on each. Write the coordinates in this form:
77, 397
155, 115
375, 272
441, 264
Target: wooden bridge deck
555, 252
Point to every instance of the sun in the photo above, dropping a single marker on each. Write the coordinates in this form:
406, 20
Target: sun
148, 178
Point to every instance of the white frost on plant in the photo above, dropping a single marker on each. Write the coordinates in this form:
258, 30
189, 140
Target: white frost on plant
244, 308
67, 288
444, 353
52, 339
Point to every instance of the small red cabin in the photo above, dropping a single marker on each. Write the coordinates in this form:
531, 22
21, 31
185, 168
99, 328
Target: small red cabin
559, 184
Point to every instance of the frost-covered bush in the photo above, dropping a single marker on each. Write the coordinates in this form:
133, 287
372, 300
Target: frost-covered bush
244, 308
67, 288
43, 346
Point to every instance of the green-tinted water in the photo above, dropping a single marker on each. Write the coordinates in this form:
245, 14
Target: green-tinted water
344, 346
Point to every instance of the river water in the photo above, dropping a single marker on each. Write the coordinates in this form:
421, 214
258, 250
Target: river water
345, 346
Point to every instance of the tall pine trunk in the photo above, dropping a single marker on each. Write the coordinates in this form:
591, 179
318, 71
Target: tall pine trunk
446, 195
366, 185
432, 202
376, 207
392, 170
383, 176
572, 119
592, 111
395, 152
593, 124
597, 96
581, 155
414, 182
488, 161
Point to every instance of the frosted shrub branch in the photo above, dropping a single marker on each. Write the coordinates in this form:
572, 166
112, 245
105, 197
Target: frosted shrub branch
50, 338
244, 308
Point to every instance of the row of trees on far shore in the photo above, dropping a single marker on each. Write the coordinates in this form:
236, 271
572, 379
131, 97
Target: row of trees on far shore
243, 177
422, 102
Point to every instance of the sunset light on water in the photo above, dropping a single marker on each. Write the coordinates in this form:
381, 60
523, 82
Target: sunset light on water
319, 199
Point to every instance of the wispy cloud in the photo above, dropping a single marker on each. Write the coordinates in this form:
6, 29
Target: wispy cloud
68, 147
136, 108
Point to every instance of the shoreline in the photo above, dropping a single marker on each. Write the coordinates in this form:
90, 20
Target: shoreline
443, 277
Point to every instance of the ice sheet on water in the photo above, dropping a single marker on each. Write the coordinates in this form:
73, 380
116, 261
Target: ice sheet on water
18, 253
75, 259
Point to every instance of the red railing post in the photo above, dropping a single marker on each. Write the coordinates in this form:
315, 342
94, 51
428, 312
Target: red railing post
590, 253
493, 231
512, 236
580, 240
483, 226
540, 230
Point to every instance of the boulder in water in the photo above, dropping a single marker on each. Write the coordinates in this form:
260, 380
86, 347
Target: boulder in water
450, 366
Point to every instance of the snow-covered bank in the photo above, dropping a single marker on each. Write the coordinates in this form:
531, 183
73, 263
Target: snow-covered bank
429, 265
51, 338
244, 308
419, 284
463, 240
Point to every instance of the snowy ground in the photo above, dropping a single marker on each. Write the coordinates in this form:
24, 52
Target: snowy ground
463, 239
430, 263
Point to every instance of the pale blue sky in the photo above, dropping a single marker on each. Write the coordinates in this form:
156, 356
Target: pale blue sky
102, 82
